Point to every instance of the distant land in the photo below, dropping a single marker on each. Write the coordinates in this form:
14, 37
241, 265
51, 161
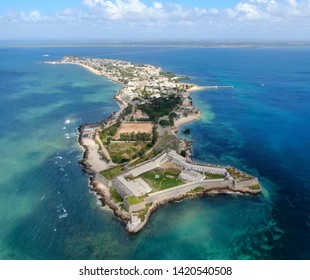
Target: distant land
181, 44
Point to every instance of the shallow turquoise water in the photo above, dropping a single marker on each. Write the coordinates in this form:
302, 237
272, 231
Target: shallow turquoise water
47, 211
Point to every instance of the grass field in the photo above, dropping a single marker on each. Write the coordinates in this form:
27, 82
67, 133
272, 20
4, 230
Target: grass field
214, 176
144, 158
254, 188
196, 190
168, 142
117, 198
161, 179
121, 152
131, 200
112, 172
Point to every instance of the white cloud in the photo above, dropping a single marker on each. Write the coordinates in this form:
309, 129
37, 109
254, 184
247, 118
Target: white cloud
137, 10
270, 10
32, 16
157, 5
92, 3
248, 11
160, 15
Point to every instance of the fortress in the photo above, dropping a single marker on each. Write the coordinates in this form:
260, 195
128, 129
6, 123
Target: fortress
130, 184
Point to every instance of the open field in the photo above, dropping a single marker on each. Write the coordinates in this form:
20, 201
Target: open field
164, 177
112, 172
131, 200
128, 127
213, 176
121, 152
168, 142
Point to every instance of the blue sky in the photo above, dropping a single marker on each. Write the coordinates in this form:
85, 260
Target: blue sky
151, 20
46, 5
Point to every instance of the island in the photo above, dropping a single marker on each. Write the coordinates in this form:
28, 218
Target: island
135, 159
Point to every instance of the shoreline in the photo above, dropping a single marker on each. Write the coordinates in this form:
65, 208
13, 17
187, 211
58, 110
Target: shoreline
196, 88
92, 164
94, 71
89, 68
184, 120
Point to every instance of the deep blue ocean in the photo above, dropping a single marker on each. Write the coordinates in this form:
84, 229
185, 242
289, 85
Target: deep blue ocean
261, 126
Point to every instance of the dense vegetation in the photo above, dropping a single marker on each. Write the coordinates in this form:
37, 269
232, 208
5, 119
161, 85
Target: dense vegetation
159, 107
154, 135
131, 136
127, 111
172, 116
164, 123
170, 76
122, 152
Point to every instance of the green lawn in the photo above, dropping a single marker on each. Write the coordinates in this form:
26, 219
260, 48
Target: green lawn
142, 213
117, 198
112, 172
254, 188
133, 200
214, 176
196, 190
162, 179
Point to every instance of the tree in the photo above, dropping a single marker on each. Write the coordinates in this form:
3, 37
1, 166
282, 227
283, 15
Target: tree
164, 123
154, 134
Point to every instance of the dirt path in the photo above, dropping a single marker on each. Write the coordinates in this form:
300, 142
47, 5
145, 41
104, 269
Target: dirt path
103, 149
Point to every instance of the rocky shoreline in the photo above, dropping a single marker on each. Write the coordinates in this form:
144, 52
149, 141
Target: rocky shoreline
89, 164
104, 196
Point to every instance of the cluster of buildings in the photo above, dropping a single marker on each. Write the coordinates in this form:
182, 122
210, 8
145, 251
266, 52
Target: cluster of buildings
129, 183
139, 79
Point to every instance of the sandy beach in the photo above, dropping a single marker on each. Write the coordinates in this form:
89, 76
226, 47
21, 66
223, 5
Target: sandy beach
196, 88
93, 158
85, 66
181, 121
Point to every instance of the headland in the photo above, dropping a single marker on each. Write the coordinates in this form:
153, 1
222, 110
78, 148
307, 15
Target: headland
135, 159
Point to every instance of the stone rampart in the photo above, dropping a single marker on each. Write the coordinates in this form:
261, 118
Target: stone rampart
103, 180
135, 207
245, 184
183, 189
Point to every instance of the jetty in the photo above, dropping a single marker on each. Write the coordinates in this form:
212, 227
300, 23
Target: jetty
217, 87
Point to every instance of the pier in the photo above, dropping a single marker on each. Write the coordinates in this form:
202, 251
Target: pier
217, 87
